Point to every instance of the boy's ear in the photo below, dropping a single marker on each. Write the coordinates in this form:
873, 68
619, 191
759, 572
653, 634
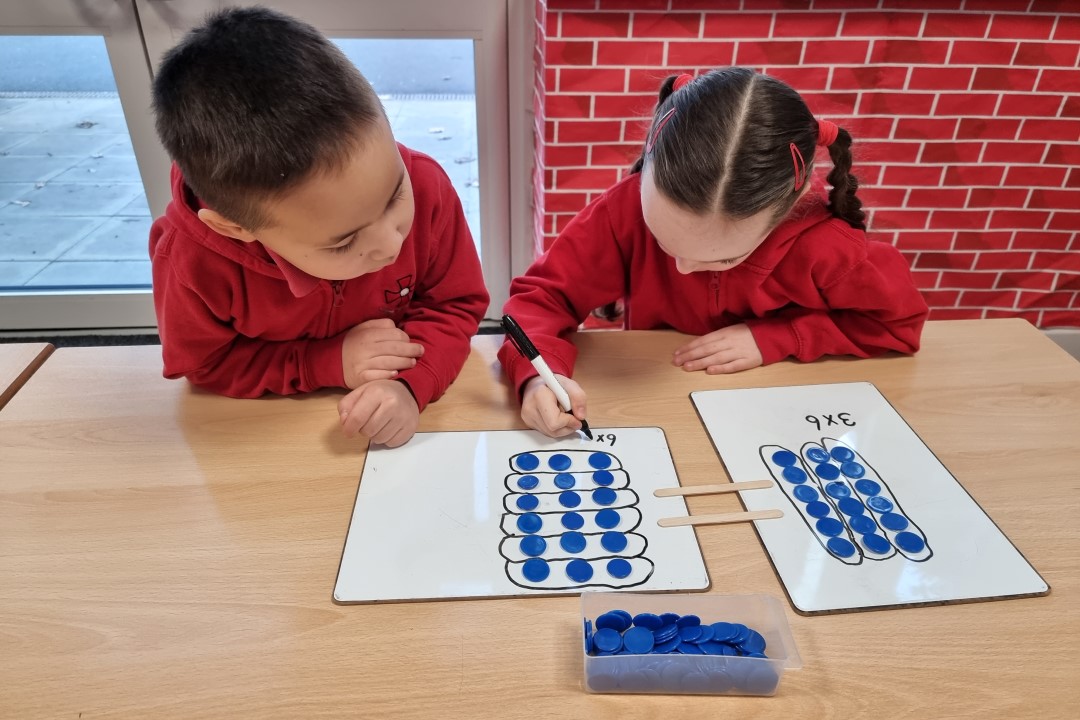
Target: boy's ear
223, 226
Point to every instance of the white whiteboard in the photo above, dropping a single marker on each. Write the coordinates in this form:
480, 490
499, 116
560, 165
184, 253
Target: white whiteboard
871, 517
445, 516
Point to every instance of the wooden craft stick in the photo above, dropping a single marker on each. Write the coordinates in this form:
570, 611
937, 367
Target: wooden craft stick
720, 518
713, 489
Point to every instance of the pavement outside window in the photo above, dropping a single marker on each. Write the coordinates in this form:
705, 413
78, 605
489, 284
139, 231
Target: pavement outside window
72, 207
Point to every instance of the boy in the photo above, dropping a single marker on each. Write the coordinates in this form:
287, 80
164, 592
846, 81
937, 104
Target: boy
303, 248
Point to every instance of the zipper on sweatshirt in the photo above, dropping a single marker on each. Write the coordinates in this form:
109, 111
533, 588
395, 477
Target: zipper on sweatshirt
714, 294
337, 290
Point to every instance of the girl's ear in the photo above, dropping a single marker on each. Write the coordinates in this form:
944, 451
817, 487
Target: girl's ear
807, 187
223, 226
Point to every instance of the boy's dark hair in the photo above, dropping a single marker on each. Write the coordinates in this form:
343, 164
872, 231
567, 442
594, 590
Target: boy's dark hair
726, 148
253, 102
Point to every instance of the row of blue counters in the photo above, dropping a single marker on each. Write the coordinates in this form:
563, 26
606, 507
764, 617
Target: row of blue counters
816, 510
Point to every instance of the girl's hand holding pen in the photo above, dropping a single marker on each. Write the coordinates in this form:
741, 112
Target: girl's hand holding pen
540, 410
558, 408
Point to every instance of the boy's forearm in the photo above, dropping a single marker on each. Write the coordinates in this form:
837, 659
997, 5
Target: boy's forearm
445, 329
249, 367
444, 356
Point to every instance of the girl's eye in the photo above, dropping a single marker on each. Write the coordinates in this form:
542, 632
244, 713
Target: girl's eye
343, 248
399, 194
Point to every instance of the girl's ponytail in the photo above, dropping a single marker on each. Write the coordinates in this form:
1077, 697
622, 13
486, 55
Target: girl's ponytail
843, 203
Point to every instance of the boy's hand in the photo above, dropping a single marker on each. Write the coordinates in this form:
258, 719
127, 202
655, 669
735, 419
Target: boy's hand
384, 411
726, 350
376, 350
540, 410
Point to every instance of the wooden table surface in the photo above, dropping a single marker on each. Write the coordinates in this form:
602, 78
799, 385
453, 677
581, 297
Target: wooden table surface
169, 553
18, 361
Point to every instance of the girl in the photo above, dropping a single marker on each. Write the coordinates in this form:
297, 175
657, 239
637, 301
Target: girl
718, 233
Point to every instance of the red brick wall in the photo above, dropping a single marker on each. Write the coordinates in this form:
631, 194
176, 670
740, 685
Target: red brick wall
966, 115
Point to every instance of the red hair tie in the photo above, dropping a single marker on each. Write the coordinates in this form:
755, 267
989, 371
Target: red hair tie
682, 81
826, 133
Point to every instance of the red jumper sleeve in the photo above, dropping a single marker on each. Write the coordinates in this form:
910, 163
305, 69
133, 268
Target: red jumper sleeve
198, 342
872, 307
448, 303
583, 269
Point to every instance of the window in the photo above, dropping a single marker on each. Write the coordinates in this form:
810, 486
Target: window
84, 265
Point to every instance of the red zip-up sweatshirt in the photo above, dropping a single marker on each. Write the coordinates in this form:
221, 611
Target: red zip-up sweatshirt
238, 320
815, 287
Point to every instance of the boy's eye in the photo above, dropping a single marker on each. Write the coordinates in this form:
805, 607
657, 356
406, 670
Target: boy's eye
345, 248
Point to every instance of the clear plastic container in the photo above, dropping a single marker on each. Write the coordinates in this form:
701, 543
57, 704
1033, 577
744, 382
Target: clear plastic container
693, 674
